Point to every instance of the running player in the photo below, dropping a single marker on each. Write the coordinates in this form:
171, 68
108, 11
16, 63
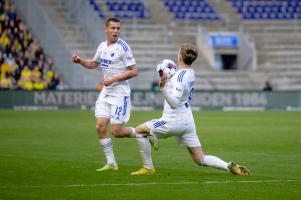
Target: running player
113, 105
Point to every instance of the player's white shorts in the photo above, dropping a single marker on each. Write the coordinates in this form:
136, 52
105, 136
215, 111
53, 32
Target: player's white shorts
116, 108
185, 133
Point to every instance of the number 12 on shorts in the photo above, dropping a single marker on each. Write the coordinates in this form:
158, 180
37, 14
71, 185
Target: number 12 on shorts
118, 112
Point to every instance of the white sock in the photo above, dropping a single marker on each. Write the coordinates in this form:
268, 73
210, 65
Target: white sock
145, 151
107, 146
215, 162
133, 134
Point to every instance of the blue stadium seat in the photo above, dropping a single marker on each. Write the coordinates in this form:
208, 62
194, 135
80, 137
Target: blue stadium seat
192, 9
128, 9
265, 10
97, 8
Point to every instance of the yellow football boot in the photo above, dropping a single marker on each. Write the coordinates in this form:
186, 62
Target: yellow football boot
238, 170
143, 171
107, 167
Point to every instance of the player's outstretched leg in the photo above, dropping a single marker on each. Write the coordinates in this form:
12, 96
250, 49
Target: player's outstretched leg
212, 161
238, 170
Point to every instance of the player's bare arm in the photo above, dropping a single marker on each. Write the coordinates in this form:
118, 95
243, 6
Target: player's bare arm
162, 81
89, 64
128, 74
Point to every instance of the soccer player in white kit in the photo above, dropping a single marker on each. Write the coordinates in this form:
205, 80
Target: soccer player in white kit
177, 119
113, 105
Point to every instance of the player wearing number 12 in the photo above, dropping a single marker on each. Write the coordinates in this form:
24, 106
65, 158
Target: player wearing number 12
177, 119
114, 57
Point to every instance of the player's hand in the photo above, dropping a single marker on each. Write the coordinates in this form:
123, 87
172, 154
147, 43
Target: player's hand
163, 81
75, 58
108, 81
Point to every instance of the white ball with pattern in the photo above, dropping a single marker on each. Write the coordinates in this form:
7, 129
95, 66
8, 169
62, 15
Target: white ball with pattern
168, 67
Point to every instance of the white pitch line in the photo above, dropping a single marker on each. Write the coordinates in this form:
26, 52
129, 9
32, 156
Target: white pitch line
259, 181
142, 184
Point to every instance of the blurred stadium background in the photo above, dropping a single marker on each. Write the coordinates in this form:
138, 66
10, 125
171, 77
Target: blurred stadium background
244, 44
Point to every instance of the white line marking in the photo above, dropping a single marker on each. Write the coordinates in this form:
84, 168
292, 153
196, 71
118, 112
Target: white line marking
143, 184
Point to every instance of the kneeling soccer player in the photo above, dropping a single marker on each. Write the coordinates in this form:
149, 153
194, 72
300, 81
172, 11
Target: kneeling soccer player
177, 119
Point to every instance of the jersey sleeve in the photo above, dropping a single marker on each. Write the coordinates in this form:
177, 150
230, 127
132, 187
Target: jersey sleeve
173, 98
97, 54
179, 88
128, 58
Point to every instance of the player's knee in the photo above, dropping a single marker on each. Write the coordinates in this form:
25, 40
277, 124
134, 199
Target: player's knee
101, 130
100, 127
142, 129
139, 130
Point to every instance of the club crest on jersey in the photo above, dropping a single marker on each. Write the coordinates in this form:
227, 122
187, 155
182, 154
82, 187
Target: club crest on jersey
178, 89
112, 54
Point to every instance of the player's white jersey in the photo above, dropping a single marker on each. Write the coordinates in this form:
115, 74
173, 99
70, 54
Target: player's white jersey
114, 60
180, 86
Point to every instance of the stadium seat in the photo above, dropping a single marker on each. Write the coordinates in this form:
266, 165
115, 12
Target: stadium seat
268, 10
128, 9
192, 10
97, 8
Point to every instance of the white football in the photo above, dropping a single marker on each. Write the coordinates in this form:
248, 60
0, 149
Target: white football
168, 67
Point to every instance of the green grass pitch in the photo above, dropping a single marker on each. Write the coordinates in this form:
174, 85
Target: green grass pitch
54, 154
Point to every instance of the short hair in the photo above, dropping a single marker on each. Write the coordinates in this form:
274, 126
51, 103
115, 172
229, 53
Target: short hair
112, 19
189, 53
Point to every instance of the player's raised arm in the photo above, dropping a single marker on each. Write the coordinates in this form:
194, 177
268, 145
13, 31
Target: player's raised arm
131, 72
89, 64
171, 100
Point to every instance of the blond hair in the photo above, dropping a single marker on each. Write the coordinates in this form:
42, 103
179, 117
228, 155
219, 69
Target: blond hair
189, 53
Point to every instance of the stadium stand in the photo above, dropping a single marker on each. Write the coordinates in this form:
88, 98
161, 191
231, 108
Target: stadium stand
167, 23
76, 37
97, 9
263, 10
275, 28
163, 32
24, 65
127, 9
194, 10
279, 56
68, 27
